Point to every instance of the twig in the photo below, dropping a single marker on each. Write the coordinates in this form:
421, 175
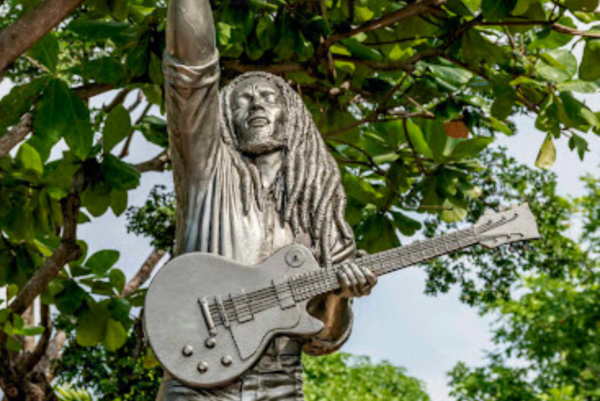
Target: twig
16, 134
144, 272
157, 163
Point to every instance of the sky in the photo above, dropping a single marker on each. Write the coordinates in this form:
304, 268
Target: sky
426, 335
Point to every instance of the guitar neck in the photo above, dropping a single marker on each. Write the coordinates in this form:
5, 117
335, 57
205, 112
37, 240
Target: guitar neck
322, 281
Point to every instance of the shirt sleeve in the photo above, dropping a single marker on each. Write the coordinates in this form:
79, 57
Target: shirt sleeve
193, 114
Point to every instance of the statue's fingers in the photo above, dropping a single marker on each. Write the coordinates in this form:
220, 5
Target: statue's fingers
344, 282
361, 280
354, 284
370, 276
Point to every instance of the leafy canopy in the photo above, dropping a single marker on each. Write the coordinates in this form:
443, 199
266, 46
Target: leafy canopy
407, 94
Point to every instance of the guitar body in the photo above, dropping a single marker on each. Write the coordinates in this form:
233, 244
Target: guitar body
186, 330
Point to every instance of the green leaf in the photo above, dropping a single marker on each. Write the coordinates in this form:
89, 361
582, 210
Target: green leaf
577, 142
119, 309
13, 345
118, 201
155, 69
154, 130
116, 127
494, 10
582, 5
46, 52
405, 224
48, 120
117, 280
11, 291
588, 70
118, 174
453, 75
115, 336
378, 234
62, 113
361, 51
103, 70
547, 155
505, 99
223, 33
418, 140
98, 29
71, 298
522, 6
102, 261
29, 159
456, 209
266, 32
96, 198
557, 65
19, 101
579, 86
91, 328
470, 148
547, 119
119, 9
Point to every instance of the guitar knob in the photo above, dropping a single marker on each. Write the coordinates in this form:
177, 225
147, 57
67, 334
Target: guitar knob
210, 342
188, 350
227, 360
202, 367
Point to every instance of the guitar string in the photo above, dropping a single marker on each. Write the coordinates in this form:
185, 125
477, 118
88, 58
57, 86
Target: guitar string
328, 279
323, 278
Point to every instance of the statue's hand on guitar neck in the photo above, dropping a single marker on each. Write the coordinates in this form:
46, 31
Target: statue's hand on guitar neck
355, 281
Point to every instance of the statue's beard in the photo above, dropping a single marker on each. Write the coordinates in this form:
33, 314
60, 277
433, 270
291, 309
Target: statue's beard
261, 142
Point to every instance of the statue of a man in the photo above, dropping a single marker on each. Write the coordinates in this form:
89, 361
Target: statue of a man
252, 175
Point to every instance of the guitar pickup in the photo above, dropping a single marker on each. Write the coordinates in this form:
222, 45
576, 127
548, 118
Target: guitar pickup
283, 290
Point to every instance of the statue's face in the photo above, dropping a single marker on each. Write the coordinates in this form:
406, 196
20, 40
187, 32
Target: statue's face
258, 116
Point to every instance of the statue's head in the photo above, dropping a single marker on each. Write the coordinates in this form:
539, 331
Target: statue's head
257, 107
262, 114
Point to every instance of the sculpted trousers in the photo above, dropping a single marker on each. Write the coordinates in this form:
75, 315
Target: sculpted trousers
276, 377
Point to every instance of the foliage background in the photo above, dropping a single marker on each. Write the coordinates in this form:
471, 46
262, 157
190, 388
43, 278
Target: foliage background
394, 167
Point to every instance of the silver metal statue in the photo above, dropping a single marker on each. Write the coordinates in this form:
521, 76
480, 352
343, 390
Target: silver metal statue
252, 175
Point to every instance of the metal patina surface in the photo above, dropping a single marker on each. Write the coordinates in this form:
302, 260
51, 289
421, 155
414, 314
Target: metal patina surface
252, 175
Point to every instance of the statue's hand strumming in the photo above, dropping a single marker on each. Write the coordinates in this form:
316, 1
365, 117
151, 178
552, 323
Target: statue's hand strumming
355, 281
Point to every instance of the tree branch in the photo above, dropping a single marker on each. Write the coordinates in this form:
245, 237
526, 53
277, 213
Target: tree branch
157, 163
16, 134
277, 69
30, 359
18, 37
144, 272
117, 100
410, 10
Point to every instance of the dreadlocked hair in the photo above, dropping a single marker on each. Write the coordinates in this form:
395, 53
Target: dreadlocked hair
312, 199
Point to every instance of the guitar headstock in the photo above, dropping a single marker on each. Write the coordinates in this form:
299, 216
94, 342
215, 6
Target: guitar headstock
513, 225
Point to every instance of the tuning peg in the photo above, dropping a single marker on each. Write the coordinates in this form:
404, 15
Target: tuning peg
488, 212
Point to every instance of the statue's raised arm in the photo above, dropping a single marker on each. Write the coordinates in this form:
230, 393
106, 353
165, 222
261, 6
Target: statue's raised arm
191, 31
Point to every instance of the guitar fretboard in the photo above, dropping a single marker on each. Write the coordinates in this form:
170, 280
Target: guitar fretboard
322, 281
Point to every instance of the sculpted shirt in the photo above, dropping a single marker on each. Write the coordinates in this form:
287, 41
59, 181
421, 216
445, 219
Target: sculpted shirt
210, 217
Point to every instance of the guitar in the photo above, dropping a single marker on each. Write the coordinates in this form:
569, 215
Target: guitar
208, 319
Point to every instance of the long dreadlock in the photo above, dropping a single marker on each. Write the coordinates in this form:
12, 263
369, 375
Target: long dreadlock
311, 193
